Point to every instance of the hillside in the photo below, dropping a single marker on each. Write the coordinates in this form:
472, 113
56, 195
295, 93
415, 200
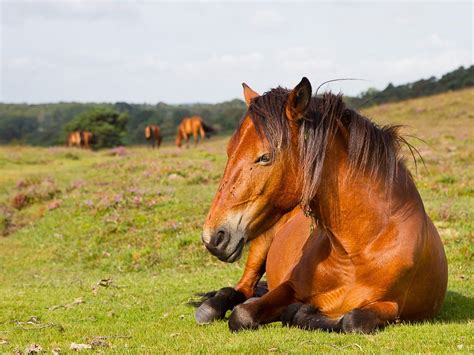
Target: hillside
445, 114
458, 79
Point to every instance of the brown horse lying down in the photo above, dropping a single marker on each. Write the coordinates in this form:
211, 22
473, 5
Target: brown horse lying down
194, 126
374, 257
153, 134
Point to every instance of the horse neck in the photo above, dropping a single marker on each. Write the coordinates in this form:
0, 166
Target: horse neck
351, 208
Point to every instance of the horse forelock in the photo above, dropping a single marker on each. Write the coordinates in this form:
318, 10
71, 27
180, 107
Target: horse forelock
267, 113
372, 149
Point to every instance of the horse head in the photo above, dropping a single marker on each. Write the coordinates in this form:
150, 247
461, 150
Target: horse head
260, 182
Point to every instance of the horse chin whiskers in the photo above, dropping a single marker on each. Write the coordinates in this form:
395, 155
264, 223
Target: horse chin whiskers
240, 221
237, 253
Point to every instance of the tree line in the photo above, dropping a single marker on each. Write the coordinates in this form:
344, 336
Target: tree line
124, 123
458, 79
112, 124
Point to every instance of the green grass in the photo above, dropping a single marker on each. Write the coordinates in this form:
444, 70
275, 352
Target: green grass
136, 220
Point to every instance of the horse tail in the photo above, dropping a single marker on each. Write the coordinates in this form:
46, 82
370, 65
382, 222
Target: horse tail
208, 129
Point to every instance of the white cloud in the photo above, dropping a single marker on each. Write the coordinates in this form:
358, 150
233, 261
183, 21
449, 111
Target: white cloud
147, 62
267, 18
16, 12
415, 67
437, 42
252, 60
221, 64
297, 59
197, 51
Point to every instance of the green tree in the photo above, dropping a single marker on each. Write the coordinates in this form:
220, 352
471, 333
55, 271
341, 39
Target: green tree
107, 126
17, 128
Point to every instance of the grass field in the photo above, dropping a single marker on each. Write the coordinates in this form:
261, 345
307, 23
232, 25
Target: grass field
103, 248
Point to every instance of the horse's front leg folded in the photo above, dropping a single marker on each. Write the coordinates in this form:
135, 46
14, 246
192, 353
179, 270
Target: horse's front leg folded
266, 309
215, 304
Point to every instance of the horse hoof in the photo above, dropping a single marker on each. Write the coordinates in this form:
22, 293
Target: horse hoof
289, 313
216, 306
359, 321
206, 314
241, 319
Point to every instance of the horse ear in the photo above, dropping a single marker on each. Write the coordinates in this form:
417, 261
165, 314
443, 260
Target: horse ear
249, 94
298, 100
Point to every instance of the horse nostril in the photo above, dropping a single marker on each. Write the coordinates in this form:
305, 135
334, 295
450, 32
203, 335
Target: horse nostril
220, 239
220, 236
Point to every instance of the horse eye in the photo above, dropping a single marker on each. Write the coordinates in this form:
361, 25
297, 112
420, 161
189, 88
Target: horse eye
263, 159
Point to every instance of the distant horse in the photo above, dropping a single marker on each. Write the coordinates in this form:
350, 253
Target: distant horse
80, 139
372, 256
74, 139
194, 126
153, 134
87, 137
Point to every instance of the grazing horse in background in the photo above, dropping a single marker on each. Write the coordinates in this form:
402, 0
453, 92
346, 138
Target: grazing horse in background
86, 139
153, 134
372, 256
74, 139
81, 139
194, 126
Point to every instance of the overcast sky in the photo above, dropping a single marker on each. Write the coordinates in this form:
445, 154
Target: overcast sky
149, 51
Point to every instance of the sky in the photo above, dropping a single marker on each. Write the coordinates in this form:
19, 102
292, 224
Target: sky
186, 52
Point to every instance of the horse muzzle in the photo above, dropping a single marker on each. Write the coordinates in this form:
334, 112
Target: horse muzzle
223, 244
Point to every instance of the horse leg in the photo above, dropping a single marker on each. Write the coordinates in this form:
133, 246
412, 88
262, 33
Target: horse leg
255, 265
360, 320
264, 310
216, 306
306, 316
368, 318
202, 133
195, 136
